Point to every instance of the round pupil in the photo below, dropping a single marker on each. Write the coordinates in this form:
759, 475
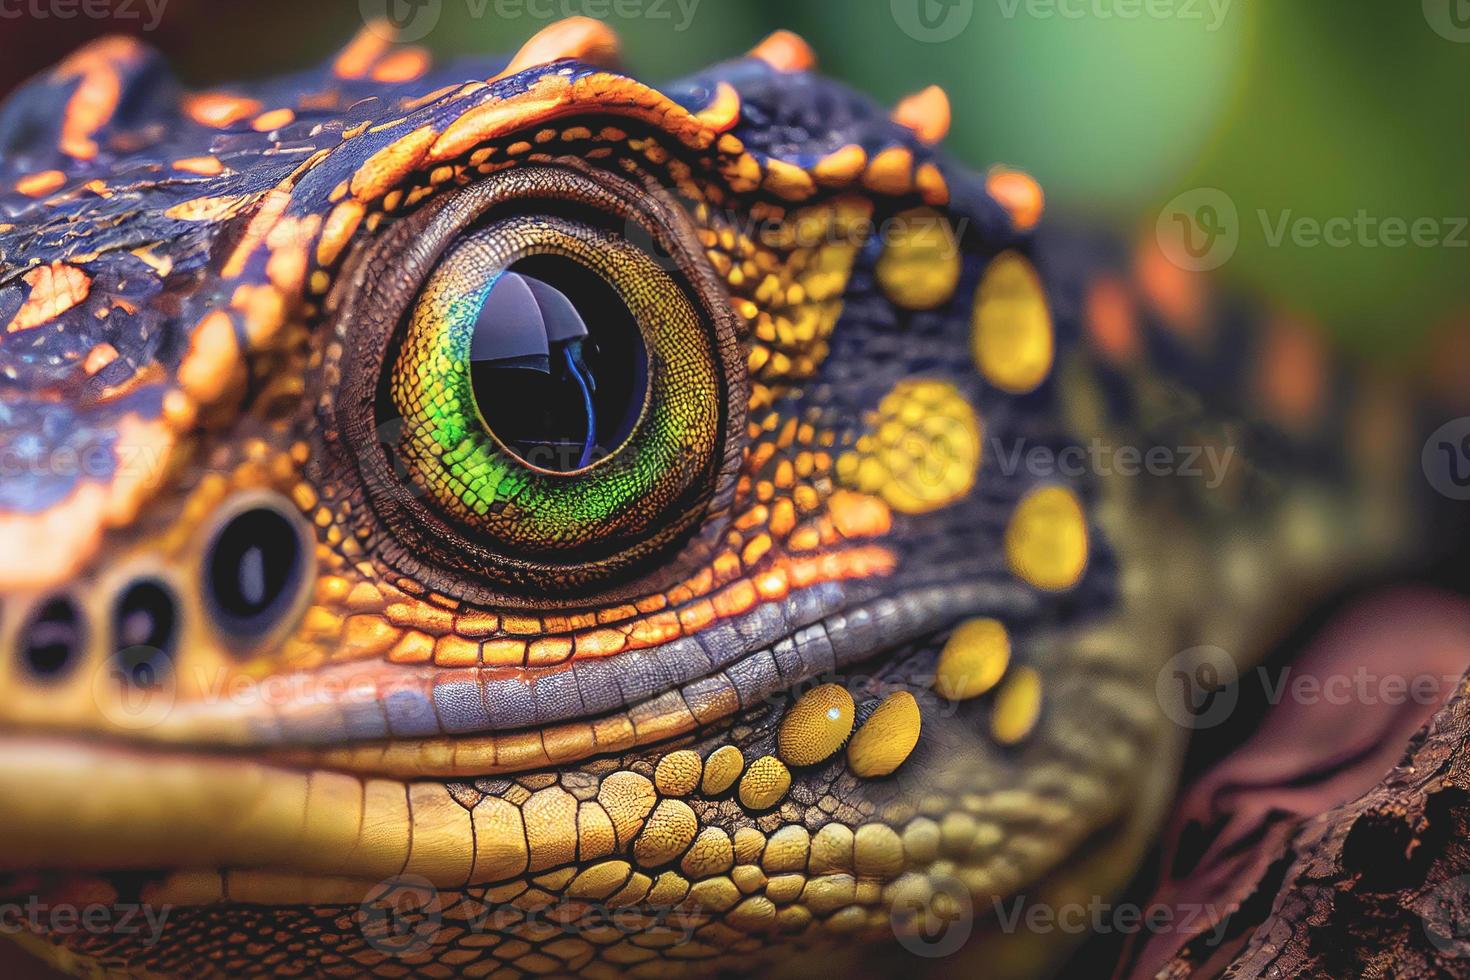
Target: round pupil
557, 364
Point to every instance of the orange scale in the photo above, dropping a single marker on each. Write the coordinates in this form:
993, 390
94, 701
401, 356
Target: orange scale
599, 643
503, 653
697, 616
737, 598
654, 631
549, 650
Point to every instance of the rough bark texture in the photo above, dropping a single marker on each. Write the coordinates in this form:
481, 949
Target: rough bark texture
1377, 885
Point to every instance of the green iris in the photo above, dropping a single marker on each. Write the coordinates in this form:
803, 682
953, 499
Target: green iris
455, 450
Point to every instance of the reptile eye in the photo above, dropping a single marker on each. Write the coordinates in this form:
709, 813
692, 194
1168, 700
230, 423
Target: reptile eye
554, 400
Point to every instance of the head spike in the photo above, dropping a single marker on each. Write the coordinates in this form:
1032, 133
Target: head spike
925, 113
785, 51
579, 38
365, 49
1019, 193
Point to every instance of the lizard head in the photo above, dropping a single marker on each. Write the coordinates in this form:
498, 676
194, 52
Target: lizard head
550, 489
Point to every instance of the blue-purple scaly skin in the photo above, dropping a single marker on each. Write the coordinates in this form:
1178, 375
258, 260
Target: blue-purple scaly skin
175, 325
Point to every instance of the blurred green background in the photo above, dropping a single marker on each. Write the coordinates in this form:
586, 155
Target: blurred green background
1308, 109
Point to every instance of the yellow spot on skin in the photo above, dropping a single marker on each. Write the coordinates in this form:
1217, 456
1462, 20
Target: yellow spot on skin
721, 769
1011, 339
1046, 540
582, 38
923, 450
677, 773
887, 738
973, 660
40, 184
764, 784
926, 114
55, 288
785, 52
816, 726
920, 264
713, 894
1019, 194
1017, 706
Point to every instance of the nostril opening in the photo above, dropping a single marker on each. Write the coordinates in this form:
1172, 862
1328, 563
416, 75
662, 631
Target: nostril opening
254, 571
53, 639
145, 631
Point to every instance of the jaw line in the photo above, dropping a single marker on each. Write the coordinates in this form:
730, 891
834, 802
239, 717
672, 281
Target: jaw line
100, 806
